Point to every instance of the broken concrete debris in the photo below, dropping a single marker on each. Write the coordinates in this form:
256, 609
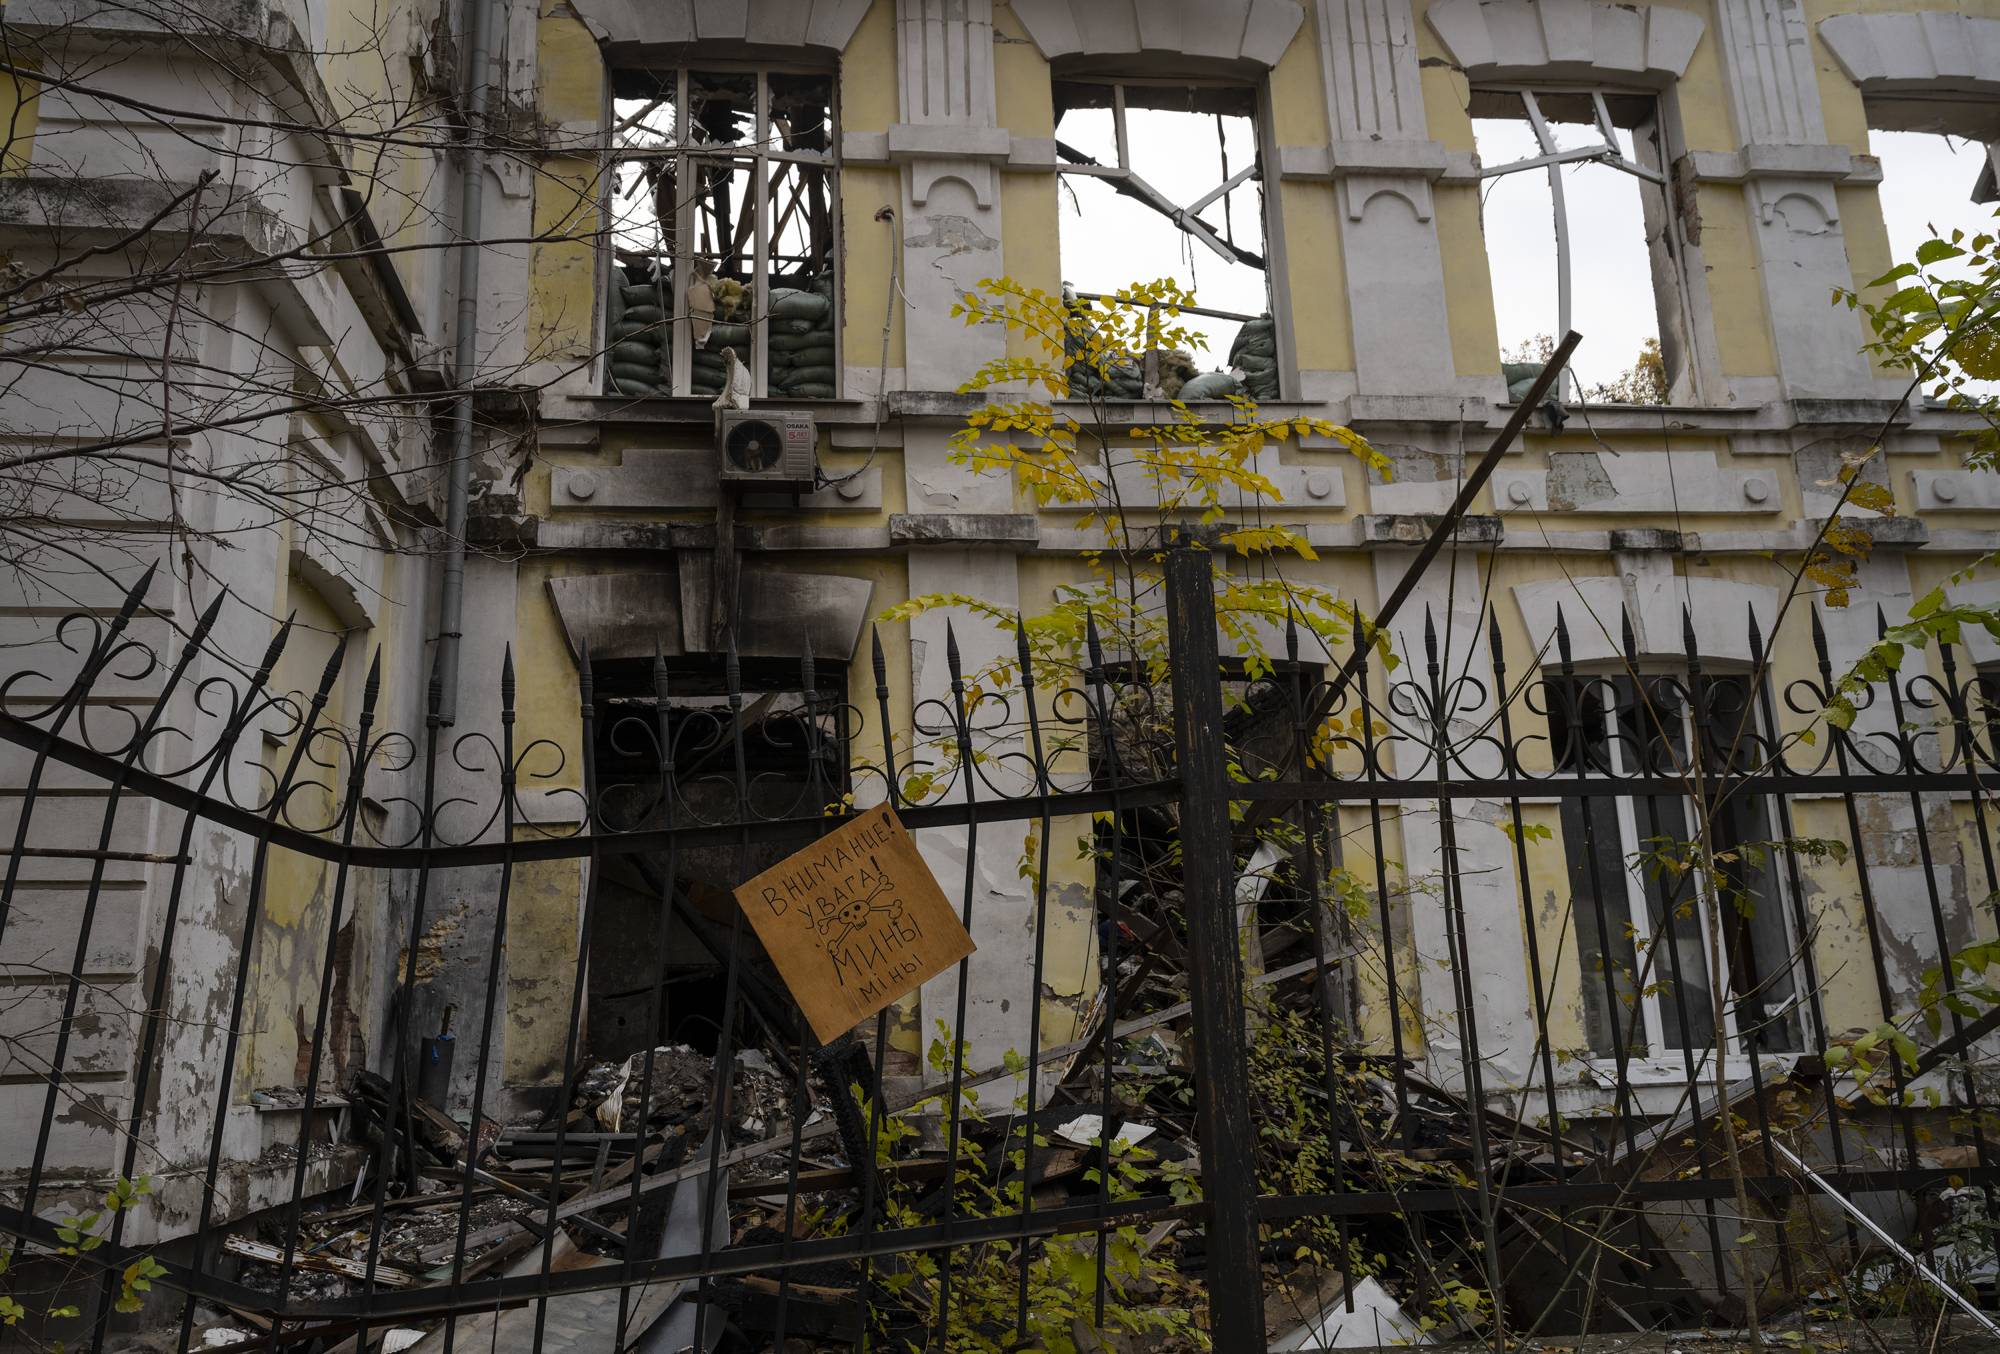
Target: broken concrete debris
817, 1144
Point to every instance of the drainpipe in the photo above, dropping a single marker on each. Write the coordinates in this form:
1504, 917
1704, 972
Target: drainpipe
465, 358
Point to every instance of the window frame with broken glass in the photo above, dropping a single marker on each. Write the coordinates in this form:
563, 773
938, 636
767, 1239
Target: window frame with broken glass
769, 300
1639, 998
1260, 350
1648, 118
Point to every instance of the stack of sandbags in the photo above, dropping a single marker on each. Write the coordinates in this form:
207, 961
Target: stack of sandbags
801, 341
1084, 382
639, 362
1255, 354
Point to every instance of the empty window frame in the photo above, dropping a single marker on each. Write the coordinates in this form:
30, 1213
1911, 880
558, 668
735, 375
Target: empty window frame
724, 218
1575, 211
1643, 936
1166, 180
1938, 162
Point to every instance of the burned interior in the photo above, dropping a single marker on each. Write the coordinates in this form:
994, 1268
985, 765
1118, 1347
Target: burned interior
723, 201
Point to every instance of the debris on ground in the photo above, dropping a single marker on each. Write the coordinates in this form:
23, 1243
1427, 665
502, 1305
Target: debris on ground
628, 1164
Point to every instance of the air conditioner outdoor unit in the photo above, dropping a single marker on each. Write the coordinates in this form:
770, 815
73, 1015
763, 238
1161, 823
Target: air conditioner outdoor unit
771, 448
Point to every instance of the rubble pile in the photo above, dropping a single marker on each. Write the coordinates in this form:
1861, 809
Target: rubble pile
655, 1155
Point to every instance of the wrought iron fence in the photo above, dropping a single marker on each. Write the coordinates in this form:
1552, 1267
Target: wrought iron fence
1485, 975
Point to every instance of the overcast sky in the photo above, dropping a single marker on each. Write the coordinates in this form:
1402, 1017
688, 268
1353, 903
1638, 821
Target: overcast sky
1109, 240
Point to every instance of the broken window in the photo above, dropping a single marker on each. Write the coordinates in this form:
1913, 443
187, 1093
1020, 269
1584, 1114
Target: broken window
723, 206
1578, 236
1643, 933
1938, 169
1167, 181
793, 759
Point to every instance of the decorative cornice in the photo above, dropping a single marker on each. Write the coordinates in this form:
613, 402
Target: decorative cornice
1930, 53
1566, 39
824, 24
1253, 31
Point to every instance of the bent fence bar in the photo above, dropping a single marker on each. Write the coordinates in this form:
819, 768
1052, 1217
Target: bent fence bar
1496, 979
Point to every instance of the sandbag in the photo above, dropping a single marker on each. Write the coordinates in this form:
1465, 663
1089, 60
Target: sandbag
728, 336
640, 294
628, 386
821, 356
648, 334
807, 375
646, 314
633, 351
810, 306
1211, 385
793, 343
626, 371
808, 390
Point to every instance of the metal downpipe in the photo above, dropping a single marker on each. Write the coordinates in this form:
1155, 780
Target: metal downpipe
465, 356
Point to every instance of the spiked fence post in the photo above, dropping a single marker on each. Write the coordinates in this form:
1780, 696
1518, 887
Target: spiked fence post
1215, 972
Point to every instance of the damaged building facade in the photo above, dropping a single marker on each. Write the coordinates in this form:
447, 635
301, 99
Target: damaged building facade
786, 198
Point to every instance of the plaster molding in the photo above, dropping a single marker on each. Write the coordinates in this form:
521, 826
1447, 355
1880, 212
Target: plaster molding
827, 25
1773, 88
1956, 490
1808, 206
946, 62
1368, 69
1252, 31
1567, 39
1931, 53
1356, 191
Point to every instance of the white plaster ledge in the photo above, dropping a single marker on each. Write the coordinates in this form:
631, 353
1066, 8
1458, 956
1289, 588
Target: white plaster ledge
667, 480
1656, 485
1782, 162
1427, 160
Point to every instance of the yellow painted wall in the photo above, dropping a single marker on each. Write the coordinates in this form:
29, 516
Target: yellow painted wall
562, 305
1316, 281
20, 103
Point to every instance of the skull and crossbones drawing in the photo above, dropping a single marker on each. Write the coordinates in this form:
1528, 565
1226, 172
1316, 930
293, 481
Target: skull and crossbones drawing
856, 913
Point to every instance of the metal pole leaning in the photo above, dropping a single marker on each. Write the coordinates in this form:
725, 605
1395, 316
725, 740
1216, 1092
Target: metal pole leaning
1215, 972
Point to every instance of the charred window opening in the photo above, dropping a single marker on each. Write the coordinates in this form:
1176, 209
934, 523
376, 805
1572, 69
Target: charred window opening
723, 215
1640, 924
1166, 180
1577, 221
794, 760
1140, 855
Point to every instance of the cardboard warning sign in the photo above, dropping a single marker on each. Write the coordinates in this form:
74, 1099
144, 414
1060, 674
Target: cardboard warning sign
854, 921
